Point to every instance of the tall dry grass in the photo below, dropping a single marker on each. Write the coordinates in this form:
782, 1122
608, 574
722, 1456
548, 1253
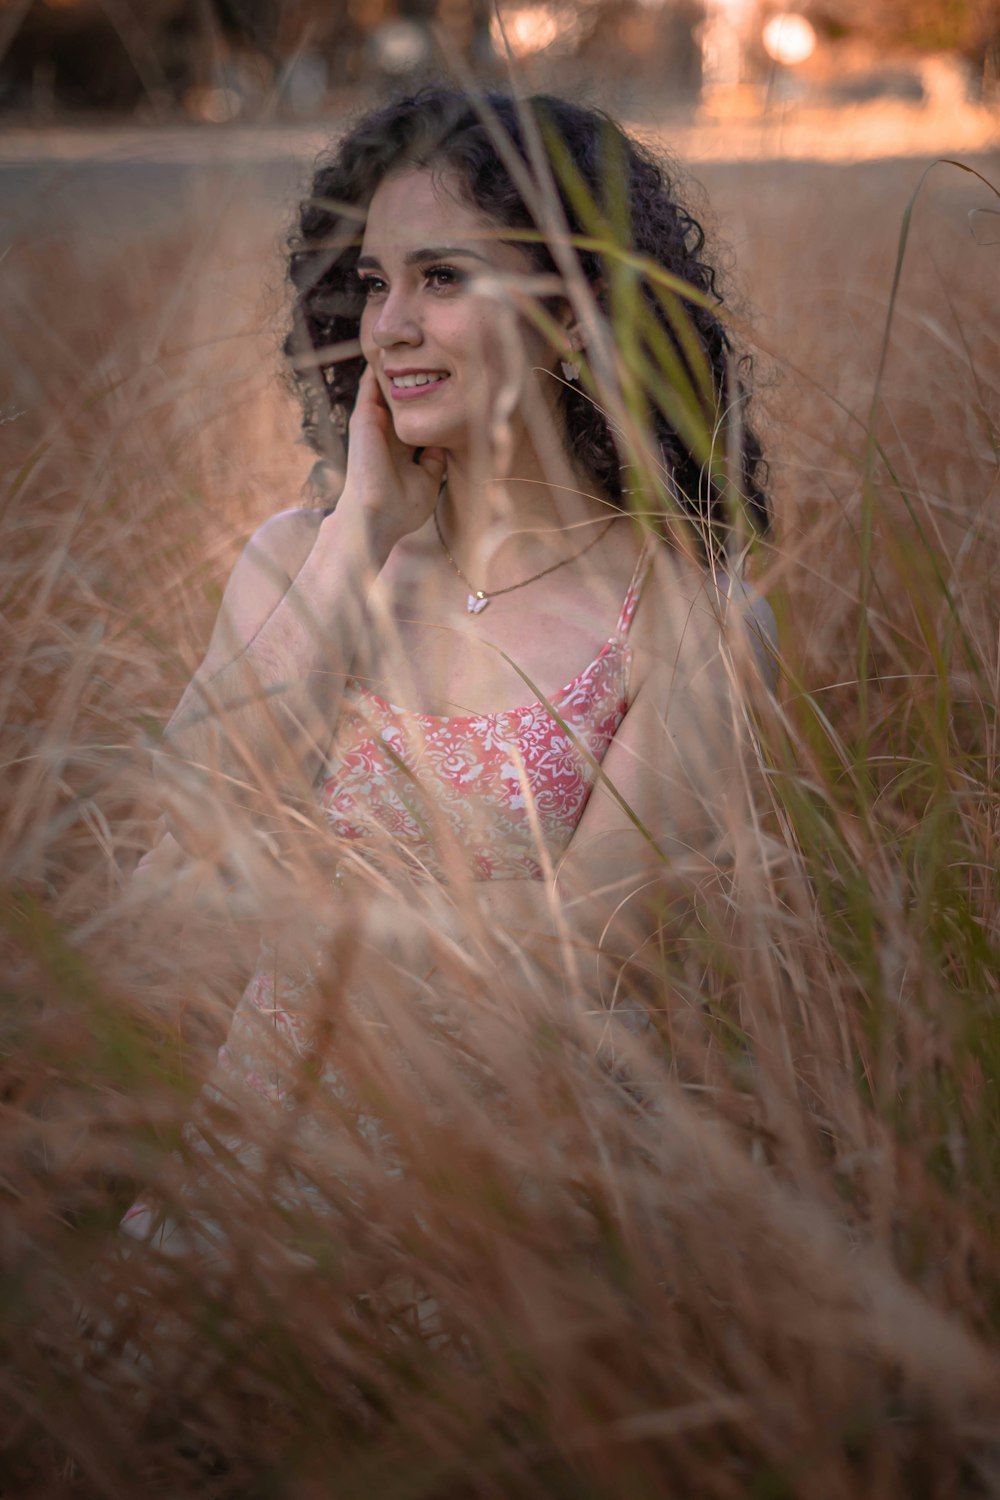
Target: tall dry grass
509, 1245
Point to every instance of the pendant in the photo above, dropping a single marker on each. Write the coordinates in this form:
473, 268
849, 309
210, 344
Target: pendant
477, 602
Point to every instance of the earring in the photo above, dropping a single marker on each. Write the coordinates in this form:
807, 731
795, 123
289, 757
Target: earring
571, 369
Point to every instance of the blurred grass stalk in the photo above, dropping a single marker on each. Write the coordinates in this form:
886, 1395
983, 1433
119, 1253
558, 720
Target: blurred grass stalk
749, 1249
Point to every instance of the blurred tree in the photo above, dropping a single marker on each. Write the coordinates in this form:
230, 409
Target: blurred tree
97, 53
645, 42
116, 53
970, 27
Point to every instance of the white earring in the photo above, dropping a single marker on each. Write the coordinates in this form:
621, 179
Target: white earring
571, 369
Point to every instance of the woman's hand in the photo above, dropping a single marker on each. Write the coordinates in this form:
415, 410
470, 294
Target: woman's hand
266, 699
392, 486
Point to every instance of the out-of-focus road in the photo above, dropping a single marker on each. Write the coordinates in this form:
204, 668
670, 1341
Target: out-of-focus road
878, 128
62, 172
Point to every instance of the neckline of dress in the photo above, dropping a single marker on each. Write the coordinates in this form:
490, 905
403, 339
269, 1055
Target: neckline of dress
522, 708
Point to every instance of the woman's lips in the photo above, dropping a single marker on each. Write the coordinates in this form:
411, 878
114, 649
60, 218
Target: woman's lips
410, 391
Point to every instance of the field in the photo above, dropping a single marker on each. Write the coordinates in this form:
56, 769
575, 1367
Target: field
757, 1253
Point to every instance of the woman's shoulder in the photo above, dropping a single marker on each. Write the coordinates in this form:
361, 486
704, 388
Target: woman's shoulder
735, 593
683, 605
677, 593
267, 567
286, 538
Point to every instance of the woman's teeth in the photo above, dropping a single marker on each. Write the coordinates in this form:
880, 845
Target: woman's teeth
403, 382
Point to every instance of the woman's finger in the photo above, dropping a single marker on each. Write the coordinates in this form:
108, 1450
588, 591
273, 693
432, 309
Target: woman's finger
368, 390
432, 461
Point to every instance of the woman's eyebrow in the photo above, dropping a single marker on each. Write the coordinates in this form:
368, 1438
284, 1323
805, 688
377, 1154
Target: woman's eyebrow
429, 252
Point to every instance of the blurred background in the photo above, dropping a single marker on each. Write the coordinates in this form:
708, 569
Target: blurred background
153, 154
225, 61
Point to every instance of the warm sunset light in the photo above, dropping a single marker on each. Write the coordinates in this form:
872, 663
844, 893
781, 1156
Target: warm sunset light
499, 916
528, 30
789, 39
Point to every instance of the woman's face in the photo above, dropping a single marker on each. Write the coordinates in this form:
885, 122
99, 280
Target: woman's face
450, 360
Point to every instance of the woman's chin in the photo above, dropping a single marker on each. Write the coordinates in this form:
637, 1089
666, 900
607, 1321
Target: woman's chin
422, 434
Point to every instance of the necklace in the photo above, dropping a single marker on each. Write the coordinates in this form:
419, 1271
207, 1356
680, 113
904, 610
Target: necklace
478, 598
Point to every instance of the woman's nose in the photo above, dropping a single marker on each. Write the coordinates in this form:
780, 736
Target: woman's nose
395, 322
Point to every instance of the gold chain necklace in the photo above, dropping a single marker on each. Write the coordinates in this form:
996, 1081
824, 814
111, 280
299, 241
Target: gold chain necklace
478, 598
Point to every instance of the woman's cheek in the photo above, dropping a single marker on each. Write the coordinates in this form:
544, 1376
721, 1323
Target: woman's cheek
365, 340
507, 357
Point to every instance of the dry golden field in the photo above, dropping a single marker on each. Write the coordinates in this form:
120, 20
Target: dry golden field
758, 1258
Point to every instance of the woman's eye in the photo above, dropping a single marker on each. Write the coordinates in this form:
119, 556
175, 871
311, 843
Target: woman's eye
444, 277
439, 278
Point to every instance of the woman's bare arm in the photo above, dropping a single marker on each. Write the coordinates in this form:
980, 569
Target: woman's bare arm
265, 699
661, 815
262, 707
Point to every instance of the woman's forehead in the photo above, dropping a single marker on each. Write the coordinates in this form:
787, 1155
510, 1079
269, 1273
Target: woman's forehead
418, 208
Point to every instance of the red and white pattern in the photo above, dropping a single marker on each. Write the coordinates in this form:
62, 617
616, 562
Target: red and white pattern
489, 791
499, 792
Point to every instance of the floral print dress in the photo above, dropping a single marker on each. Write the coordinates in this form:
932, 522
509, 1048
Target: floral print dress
503, 792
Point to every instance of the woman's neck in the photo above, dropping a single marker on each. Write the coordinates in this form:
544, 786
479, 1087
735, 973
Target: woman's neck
500, 527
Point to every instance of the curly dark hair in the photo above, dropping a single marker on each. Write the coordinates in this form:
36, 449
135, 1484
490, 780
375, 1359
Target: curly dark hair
442, 128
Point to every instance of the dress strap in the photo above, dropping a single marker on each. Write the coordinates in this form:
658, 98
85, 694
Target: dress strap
642, 567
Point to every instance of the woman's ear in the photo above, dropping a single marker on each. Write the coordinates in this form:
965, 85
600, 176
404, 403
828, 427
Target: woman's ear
574, 348
575, 339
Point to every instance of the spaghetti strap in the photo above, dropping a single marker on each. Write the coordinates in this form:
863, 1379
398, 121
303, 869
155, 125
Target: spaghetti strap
634, 590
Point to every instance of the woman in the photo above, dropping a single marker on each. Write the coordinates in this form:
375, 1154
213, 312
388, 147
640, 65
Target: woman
504, 682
